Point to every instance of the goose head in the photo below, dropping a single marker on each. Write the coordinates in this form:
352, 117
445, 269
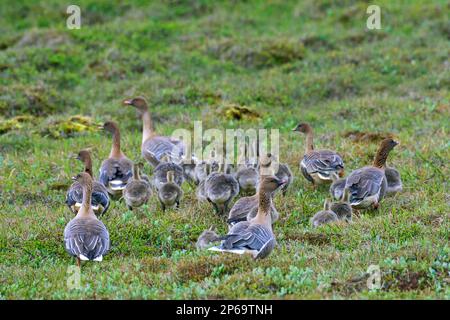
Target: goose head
83, 178
139, 103
270, 184
302, 127
110, 126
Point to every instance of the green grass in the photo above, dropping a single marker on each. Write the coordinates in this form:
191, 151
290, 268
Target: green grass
289, 61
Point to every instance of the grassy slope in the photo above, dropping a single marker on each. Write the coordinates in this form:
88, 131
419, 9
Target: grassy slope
312, 61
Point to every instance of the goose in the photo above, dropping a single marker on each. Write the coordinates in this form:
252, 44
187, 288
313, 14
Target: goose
117, 169
100, 197
170, 193
137, 192
220, 189
317, 165
337, 187
394, 180
325, 216
86, 237
206, 238
160, 173
248, 178
281, 170
254, 237
367, 186
154, 147
246, 208
342, 208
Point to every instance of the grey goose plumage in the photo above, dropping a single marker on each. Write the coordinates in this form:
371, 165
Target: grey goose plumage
255, 236
117, 170
220, 189
86, 237
100, 198
318, 165
154, 146
324, 216
137, 192
367, 186
170, 193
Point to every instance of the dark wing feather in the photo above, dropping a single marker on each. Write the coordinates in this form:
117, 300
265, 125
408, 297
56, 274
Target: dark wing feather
364, 183
323, 161
254, 237
115, 169
157, 147
74, 194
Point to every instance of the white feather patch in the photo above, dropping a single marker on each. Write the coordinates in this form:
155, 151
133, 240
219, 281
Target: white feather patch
100, 258
83, 257
235, 251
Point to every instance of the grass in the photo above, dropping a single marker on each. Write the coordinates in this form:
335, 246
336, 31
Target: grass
287, 61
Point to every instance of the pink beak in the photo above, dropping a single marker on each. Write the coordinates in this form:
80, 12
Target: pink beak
127, 102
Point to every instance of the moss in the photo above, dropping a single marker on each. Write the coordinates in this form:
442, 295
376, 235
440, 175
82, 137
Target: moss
261, 53
237, 112
70, 127
14, 123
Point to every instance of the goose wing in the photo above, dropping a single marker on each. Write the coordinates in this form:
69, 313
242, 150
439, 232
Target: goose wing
254, 237
115, 169
100, 196
241, 208
363, 183
155, 148
86, 237
322, 161
74, 195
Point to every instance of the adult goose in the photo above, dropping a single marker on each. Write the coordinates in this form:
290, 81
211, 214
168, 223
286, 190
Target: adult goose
137, 191
368, 185
117, 169
318, 165
154, 146
255, 236
86, 237
100, 197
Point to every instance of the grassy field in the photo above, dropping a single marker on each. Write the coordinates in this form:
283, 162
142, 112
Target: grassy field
288, 61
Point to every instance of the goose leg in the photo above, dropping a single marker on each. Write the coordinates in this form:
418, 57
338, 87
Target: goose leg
78, 262
178, 204
163, 207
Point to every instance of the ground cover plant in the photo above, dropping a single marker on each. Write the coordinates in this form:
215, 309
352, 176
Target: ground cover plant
281, 61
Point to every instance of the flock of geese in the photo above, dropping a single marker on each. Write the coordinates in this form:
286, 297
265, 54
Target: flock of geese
250, 218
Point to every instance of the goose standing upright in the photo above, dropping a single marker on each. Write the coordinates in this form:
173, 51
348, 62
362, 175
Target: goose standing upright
368, 185
255, 236
220, 189
170, 193
100, 198
86, 237
160, 173
117, 169
318, 165
154, 147
137, 191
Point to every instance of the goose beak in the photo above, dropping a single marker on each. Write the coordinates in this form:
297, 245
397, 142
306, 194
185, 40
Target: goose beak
127, 102
101, 127
74, 178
